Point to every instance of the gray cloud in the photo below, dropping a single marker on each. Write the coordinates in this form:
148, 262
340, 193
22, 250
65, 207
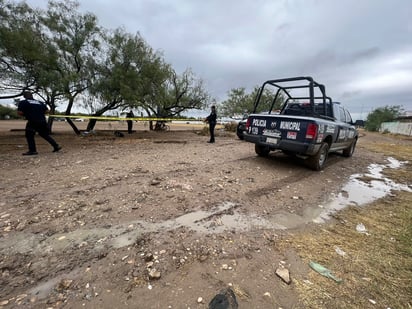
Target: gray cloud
361, 50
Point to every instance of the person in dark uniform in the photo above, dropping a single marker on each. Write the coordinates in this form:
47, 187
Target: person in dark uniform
34, 111
211, 119
130, 122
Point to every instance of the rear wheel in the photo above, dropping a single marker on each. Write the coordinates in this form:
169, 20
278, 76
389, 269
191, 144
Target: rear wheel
262, 151
239, 133
317, 162
348, 152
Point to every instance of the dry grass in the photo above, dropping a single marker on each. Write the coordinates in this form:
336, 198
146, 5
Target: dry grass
377, 267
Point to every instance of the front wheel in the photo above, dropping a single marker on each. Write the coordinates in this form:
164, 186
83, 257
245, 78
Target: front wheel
262, 151
348, 152
317, 162
239, 133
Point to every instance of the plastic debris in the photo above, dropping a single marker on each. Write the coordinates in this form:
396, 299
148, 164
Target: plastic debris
324, 271
340, 251
360, 228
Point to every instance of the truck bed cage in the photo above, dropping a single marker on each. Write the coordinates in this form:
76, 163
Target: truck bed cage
285, 85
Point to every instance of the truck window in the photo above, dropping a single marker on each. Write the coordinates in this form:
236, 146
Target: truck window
342, 116
336, 111
348, 116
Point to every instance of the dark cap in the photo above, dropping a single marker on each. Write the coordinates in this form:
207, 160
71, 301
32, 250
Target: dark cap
27, 94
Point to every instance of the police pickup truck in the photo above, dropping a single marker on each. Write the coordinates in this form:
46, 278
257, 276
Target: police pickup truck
307, 124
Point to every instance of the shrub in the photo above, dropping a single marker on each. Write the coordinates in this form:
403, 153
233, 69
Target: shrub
231, 126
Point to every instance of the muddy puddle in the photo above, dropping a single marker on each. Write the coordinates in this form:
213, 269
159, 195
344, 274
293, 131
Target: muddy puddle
365, 188
361, 189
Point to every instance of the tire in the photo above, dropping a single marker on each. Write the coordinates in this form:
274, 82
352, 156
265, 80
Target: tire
239, 134
348, 152
262, 151
317, 162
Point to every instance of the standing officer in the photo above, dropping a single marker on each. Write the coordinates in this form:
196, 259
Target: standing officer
34, 111
130, 122
211, 119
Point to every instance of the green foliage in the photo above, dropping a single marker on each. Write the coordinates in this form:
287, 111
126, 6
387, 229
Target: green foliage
50, 51
63, 54
177, 94
20, 46
123, 76
380, 115
8, 113
240, 102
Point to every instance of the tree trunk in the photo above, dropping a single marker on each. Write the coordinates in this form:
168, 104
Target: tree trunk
51, 112
71, 123
91, 124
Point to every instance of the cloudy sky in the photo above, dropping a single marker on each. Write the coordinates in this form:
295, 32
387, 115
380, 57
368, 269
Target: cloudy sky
360, 49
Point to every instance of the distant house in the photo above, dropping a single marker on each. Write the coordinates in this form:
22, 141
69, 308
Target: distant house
405, 117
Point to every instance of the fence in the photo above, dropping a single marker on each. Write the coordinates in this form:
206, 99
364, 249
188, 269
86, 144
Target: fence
397, 127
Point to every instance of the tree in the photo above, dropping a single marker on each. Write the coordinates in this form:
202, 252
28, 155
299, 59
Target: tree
8, 112
51, 52
239, 102
62, 55
74, 38
380, 115
179, 93
22, 50
129, 74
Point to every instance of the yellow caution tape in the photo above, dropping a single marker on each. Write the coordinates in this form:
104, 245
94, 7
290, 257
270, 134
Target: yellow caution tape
120, 118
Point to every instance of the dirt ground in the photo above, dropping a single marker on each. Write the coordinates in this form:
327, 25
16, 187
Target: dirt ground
155, 219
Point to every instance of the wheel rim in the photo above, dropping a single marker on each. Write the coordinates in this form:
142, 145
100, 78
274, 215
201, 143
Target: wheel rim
322, 156
352, 149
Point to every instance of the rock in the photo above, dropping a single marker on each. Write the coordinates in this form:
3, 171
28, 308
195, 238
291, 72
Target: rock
149, 257
226, 299
154, 274
21, 226
283, 274
149, 264
64, 284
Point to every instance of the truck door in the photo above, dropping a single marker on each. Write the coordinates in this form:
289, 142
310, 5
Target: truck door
340, 126
346, 131
351, 127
